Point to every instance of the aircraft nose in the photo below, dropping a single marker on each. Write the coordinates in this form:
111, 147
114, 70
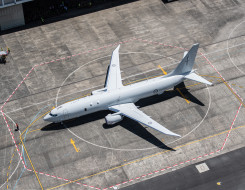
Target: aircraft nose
47, 117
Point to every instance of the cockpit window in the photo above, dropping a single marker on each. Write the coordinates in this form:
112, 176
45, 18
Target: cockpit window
53, 115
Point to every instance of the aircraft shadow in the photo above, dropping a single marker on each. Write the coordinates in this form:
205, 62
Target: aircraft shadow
187, 94
76, 122
168, 95
2, 61
139, 130
128, 124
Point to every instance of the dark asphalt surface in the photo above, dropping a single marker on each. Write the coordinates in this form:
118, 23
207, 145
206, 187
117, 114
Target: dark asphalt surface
229, 169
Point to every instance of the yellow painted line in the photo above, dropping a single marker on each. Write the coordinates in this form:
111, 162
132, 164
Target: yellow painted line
33, 131
159, 153
221, 80
34, 122
182, 95
73, 143
164, 72
10, 164
190, 85
9, 169
31, 163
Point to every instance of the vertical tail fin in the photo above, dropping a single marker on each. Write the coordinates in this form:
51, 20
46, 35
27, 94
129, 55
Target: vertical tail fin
187, 62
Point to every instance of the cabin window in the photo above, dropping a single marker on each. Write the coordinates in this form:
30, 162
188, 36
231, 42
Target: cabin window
85, 109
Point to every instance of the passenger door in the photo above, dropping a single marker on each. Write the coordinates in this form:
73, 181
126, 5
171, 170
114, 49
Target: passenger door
65, 114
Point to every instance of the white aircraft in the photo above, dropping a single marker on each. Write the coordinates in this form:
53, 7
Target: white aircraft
120, 99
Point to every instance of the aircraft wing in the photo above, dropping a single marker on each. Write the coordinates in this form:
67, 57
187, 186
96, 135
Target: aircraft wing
113, 79
131, 111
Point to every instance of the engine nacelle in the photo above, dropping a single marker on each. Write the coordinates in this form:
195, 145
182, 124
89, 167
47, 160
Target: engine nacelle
112, 119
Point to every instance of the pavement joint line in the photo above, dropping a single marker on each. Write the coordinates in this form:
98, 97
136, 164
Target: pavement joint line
229, 87
94, 50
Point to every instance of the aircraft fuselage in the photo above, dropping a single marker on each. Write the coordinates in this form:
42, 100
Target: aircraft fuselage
102, 100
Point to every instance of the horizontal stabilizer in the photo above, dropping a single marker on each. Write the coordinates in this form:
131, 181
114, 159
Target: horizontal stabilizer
195, 77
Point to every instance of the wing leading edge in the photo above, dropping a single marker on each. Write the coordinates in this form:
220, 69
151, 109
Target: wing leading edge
113, 79
131, 111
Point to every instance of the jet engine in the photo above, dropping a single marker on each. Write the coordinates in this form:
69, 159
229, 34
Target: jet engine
112, 119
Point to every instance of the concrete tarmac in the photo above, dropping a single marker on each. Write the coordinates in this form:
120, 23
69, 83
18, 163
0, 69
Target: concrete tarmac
62, 61
224, 172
